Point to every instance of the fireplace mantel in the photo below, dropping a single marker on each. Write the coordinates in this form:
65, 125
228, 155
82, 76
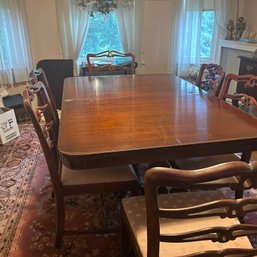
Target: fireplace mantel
236, 45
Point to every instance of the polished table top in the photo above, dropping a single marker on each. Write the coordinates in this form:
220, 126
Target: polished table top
113, 120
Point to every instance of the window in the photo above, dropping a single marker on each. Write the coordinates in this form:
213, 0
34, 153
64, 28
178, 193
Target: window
14, 47
207, 31
102, 34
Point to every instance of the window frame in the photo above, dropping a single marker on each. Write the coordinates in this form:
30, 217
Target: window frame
83, 60
213, 44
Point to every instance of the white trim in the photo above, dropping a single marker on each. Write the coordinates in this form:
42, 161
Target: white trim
238, 45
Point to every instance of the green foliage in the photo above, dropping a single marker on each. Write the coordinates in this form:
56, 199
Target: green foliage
102, 34
206, 33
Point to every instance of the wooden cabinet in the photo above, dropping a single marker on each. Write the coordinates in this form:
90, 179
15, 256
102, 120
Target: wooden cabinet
247, 66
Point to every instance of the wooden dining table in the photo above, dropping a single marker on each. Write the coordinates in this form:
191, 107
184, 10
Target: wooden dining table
114, 120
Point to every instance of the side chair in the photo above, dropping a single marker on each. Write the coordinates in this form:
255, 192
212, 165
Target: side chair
110, 61
243, 98
189, 224
66, 181
210, 78
242, 101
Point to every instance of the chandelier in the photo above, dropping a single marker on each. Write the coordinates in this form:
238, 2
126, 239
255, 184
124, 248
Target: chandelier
102, 6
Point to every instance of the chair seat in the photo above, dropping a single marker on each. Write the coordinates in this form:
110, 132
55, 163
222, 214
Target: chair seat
106, 176
203, 162
135, 210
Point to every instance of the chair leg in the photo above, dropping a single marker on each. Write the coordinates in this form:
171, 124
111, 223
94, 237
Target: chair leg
239, 194
124, 237
60, 219
136, 189
104, 213
140, 181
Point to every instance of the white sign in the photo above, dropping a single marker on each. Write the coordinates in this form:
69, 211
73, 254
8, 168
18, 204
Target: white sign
8, 125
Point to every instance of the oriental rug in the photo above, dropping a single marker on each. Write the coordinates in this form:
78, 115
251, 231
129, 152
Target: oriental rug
27, 208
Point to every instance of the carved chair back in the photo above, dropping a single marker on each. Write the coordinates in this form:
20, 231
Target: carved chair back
111, 61
210, 78
39, 75
224, 208
245, 101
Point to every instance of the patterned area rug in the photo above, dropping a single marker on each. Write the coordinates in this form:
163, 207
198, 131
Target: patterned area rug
27, 208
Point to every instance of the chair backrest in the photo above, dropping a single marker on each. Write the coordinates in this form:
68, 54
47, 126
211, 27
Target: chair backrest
228, 208
39, 75
244, 100
111, 61
47, 132
210, 78
56, 70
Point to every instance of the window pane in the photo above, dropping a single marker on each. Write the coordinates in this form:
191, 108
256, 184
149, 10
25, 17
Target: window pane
206, 33
102, 34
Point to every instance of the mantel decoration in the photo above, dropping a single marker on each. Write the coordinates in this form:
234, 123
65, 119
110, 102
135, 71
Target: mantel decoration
235, 32
238, 31
102, 6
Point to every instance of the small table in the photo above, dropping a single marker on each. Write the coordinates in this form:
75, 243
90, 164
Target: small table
113, 120
16, 102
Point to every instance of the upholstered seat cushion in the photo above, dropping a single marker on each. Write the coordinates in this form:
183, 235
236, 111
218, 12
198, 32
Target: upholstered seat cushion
205, 161
136, 213
123, 173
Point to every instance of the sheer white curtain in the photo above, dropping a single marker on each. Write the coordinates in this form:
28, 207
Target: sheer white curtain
186, 27
177, 10
224, 11
130, 19
73, 26
189, 31
15, 57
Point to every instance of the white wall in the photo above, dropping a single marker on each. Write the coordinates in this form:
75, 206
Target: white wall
156, 35
42, 29
249, 13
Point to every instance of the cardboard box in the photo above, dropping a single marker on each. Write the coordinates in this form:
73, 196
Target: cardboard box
8, 125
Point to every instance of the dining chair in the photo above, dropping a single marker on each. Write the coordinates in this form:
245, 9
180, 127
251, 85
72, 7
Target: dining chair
111, 62
189, 224
244, 97
65, 181
244, 102
39, 75
210, 78
56, 70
